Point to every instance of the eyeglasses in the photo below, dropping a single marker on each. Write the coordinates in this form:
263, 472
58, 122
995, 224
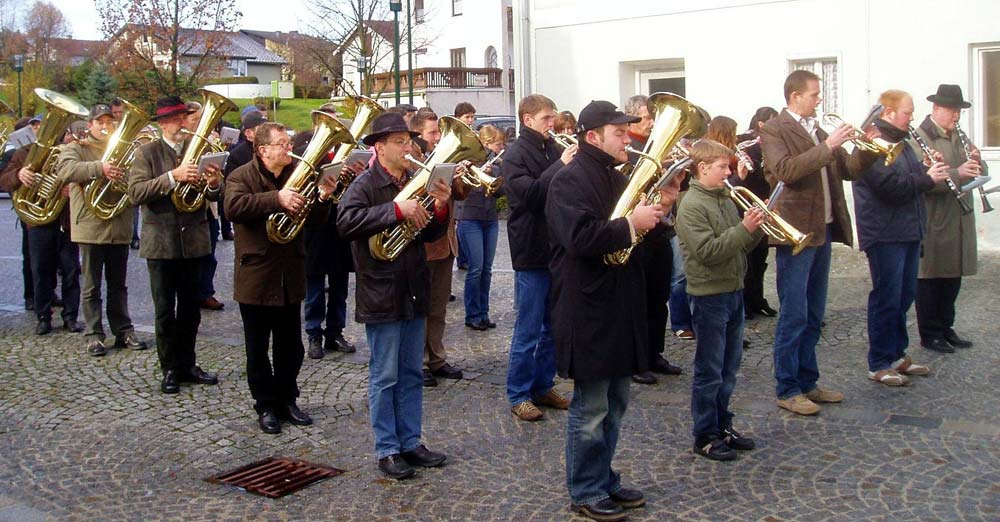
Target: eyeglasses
284, 144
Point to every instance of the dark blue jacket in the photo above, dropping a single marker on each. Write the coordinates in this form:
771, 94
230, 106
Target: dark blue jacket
528, 167
889, 201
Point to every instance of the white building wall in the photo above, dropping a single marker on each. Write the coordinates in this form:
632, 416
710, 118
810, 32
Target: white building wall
582, 50
479, 26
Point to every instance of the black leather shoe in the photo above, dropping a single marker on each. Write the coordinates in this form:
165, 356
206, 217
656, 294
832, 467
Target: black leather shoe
766, 309
199, 376
451, 298
129, 340
605, 510
169, 384
715, 449
429, 380
316, 348
956, 341
395, 467
479, 327
489, 324
423, 457
938, 345
43, 327
645, 378
629, 498
71, 325
96, 348
268, 422
661, 365
293, 414
341, 344
447, 371
737, 441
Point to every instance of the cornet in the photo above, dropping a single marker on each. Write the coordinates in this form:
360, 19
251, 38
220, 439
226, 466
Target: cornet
773, 226
564, 140
879, 146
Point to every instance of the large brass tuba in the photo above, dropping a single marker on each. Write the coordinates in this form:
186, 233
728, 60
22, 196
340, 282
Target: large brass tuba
43, 202
675, 118
282, 227
107, 198
458, 143
366, 111
189, 197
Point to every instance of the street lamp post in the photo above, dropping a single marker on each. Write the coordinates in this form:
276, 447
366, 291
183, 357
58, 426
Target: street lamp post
18, 67
409, 51
395, 6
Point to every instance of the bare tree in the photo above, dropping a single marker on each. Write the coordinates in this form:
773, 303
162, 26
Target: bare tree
44, 22
165, 47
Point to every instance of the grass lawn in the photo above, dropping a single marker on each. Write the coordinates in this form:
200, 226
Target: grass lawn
293, 113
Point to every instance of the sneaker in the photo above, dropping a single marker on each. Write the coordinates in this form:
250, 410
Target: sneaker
715, 449
96, 348
906, 366
889, 377
820, 395
736, 440
799, 404
551, 399
130, 340
527, 411
687, 335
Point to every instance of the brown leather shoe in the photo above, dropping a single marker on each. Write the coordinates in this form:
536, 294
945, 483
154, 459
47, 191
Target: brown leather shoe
799, 404
820, 395
552, 400
527, 411
212, 304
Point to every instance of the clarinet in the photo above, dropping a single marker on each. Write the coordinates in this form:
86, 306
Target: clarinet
967, 147
929, 160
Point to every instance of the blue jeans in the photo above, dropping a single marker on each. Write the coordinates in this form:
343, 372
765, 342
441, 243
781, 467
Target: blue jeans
595, 418
718, 326
802, 285
680, 308
532, 352
317, 308
893, 269
206, 279
395, 384
479, 243
463, 258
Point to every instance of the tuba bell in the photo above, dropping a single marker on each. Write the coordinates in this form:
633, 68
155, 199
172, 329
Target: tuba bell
42, 203
189, 197
107, 198
282, 227
458, 143
674, 118
366, 111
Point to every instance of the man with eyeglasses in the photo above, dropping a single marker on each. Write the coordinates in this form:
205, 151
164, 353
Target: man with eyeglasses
393, 297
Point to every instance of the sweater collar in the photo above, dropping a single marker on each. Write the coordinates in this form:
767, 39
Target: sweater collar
717, 191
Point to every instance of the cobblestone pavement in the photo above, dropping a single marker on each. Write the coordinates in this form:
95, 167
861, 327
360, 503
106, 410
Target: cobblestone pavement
86, 438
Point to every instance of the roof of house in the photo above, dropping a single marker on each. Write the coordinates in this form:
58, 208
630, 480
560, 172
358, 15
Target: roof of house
239, 45
384, 28
82, 48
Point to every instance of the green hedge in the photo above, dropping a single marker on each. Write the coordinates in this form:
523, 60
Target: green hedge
230, 80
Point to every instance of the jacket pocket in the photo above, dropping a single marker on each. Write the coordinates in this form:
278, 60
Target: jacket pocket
376, 294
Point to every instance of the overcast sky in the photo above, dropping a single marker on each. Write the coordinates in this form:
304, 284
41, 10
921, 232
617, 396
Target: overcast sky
265, 15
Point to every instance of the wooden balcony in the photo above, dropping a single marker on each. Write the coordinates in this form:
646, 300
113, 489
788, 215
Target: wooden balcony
441, 78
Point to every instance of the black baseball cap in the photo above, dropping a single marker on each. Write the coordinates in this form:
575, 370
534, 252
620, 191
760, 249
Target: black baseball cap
253, 119
599, 113
101, 109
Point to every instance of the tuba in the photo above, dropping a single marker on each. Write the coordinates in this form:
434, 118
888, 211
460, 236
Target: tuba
367, 110
189, 197
42, 203
282, 227
458, 143
879, 146
675, 118
106, 198
773, 226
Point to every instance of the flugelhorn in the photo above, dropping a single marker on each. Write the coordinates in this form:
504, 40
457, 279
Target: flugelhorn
773, 225
282, 227
107, 198
929, 154
41, 204
476, 177
367, 110
458, 143
564, 140
879, 146
189, 197
674, 118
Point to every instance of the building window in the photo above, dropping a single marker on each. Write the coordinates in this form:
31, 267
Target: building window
418, 11
458, 57
456, 7
238, 67
985, 112
829, 80
490, 59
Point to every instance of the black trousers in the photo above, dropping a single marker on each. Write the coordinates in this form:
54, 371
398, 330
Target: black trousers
29, 281
753, 281
174, 287
657, 260
936, 306
52, 252
273, 386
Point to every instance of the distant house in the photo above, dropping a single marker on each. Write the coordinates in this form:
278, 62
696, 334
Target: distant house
309, 60
75, 52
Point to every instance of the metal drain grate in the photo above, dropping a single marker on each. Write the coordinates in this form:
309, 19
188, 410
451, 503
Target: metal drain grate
275, 477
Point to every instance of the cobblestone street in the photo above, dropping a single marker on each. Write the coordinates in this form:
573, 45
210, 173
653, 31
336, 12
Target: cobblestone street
86, 438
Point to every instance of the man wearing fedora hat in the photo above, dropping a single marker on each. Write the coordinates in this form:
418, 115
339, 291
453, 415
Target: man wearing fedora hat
949, 248
392, 297
172, 244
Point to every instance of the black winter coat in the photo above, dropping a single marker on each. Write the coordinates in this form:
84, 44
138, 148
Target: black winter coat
528, 167
386, 290
598, 311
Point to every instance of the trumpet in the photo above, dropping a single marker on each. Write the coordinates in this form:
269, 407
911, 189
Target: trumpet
773, 226
929, 161
476, 177
879, 146
564, 140
967, 147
